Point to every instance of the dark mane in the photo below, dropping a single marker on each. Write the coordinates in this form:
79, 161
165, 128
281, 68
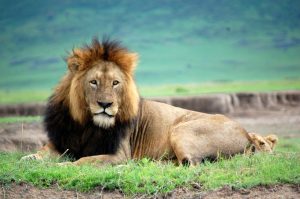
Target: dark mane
68, 135
104, 49
109, 47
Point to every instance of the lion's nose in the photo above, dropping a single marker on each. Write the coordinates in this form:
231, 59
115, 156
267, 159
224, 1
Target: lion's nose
105, 104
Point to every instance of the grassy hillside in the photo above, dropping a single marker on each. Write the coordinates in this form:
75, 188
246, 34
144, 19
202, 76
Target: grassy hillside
178, 42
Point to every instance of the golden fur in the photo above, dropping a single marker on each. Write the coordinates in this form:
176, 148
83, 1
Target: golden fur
262, 144
102, 74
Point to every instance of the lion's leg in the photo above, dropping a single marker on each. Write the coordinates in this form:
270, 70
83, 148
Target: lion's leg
208, 137
123, 154
99, 160
46, 151
186, 145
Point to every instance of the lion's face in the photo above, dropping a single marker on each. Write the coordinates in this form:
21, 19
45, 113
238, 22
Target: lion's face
103, 91
263, 144
99, 85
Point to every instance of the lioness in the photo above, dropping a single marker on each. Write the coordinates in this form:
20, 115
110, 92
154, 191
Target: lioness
97, 116
261, 144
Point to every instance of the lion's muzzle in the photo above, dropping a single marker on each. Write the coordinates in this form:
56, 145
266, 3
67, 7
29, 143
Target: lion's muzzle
105, 104
104, 116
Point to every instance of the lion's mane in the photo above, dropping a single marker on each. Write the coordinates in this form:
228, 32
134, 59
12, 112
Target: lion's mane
67, 119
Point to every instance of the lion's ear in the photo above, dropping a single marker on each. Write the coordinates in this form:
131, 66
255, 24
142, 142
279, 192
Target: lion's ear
73, 60
255, 139
252, 136
73, 65
272, 139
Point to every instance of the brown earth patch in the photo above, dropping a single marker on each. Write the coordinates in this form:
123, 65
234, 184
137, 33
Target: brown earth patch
24, 137
28, 191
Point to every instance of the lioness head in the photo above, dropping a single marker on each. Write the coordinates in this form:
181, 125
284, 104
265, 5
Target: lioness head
101, 86
263, 144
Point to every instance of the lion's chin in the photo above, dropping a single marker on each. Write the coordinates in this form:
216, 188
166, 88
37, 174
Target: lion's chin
104, 121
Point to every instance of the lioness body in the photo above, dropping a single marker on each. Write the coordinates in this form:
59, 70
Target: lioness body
96, 116
186, 135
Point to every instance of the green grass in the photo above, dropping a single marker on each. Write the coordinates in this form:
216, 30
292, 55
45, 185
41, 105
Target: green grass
225, 87
24, 96
289, 145
20, 119
155, 177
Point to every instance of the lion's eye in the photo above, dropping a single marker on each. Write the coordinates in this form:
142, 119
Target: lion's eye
115, 82
262, 143
93, 83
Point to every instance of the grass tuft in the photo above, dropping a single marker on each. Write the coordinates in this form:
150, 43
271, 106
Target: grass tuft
248, 171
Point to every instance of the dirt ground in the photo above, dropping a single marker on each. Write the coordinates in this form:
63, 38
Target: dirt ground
27, 191
285, 122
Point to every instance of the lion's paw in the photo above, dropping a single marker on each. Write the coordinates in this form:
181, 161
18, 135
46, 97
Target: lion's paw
31, 157
65, 163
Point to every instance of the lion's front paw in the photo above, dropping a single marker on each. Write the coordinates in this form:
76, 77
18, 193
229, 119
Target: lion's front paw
31, 157
65, 163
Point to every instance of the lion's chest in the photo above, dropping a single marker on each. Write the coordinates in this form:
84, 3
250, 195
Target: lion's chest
90, 141
80, 140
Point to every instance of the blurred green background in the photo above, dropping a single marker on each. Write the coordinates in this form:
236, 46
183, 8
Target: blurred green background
180, 42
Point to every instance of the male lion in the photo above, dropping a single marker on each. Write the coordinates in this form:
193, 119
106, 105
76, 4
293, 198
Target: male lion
96, 116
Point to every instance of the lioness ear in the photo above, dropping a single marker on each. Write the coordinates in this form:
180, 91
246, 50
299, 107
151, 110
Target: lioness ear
255, 139
73, 60
272, 139
252, 136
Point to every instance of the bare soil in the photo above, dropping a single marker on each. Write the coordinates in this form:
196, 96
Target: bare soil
24, 137
265, 192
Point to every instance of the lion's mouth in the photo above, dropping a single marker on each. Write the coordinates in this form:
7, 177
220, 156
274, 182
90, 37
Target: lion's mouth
104, 113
